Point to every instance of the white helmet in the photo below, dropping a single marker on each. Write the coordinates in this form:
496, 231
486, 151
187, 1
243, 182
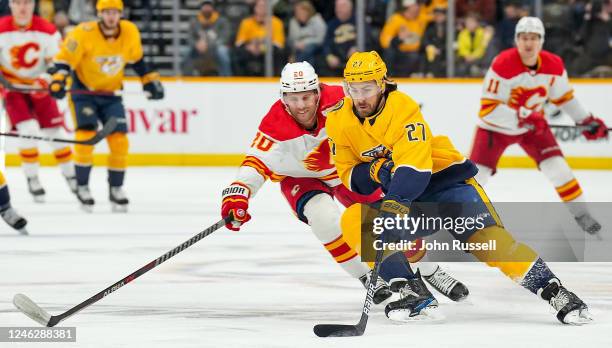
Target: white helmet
529, 25
298, 77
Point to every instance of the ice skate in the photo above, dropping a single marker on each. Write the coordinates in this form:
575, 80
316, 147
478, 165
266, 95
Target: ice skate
570, 309
588, 224
119, 201
416, 303
36, 189
72, 183
381, 290
447, 285
85, 197
16, 221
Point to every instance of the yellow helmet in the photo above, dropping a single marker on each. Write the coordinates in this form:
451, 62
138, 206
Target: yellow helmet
365, 66
108, 4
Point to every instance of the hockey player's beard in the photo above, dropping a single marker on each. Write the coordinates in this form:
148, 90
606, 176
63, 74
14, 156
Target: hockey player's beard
365, 112
109, 30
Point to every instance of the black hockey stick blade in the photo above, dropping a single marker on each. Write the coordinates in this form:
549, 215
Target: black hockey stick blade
338, 330
36, 313
343, 330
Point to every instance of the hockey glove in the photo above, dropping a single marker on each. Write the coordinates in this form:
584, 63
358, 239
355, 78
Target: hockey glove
389, 210
533, 120
380, 171
57, 86
236, 202
152, 87
597, 128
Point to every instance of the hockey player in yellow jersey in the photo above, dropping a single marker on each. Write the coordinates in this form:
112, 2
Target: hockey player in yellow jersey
94, 55
379, 139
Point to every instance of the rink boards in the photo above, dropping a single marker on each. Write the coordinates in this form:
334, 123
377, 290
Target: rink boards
212, 121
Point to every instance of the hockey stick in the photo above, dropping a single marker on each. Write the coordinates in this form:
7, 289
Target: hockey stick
29, 89
108, 128
32, 310
589, 128
342, 330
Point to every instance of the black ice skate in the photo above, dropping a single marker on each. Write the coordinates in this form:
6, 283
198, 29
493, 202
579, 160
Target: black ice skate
85, 197
588, 224
36, 189
416, 303
447, 285
10, 216
118, 200
381, 290
570, 309
72, 183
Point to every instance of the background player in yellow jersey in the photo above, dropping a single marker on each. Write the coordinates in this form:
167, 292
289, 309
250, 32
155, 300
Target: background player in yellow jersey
96, 53
9, 215
377, 128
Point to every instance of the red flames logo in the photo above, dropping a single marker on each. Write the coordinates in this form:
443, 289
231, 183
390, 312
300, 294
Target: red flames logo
522, 96
19, 53
319, 159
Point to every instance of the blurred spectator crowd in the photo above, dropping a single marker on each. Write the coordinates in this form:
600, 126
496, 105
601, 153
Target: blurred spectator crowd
410, 34
228, 37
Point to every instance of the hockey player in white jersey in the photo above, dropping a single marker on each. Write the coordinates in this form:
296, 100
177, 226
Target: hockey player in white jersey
291, 147
27, 45
516, 87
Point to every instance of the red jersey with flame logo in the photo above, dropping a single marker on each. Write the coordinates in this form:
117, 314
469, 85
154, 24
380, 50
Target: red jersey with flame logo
510, 85
282, 148
24, 52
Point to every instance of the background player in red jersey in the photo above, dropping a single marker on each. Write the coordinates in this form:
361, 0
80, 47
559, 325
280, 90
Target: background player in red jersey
27, 45
291, 147
517, 85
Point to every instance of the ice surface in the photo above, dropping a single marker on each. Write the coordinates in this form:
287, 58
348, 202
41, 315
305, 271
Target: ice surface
265, 286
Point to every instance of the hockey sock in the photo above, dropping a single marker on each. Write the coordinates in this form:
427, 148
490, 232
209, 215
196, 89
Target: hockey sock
513, 258
323, 215
560, 175
116, 177
29, 161
117, 160
83, 157
5, 198
346, 257
63, 157
538, 276
396, 266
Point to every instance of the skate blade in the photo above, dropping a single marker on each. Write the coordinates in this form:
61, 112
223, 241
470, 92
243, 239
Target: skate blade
119, 208
88, 208
578, 317
23, 232
426, 315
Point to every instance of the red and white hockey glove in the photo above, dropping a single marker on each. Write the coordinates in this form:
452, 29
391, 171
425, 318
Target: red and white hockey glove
597, 128
236, 202
533, 120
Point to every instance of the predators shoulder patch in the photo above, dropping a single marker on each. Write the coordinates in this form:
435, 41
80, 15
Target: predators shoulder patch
338, 106
72, 45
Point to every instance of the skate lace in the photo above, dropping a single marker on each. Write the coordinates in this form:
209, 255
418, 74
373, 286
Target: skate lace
561, 299
442, 281
408, 291
10, 216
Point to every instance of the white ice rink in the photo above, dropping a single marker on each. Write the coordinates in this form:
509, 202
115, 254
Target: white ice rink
265, 286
